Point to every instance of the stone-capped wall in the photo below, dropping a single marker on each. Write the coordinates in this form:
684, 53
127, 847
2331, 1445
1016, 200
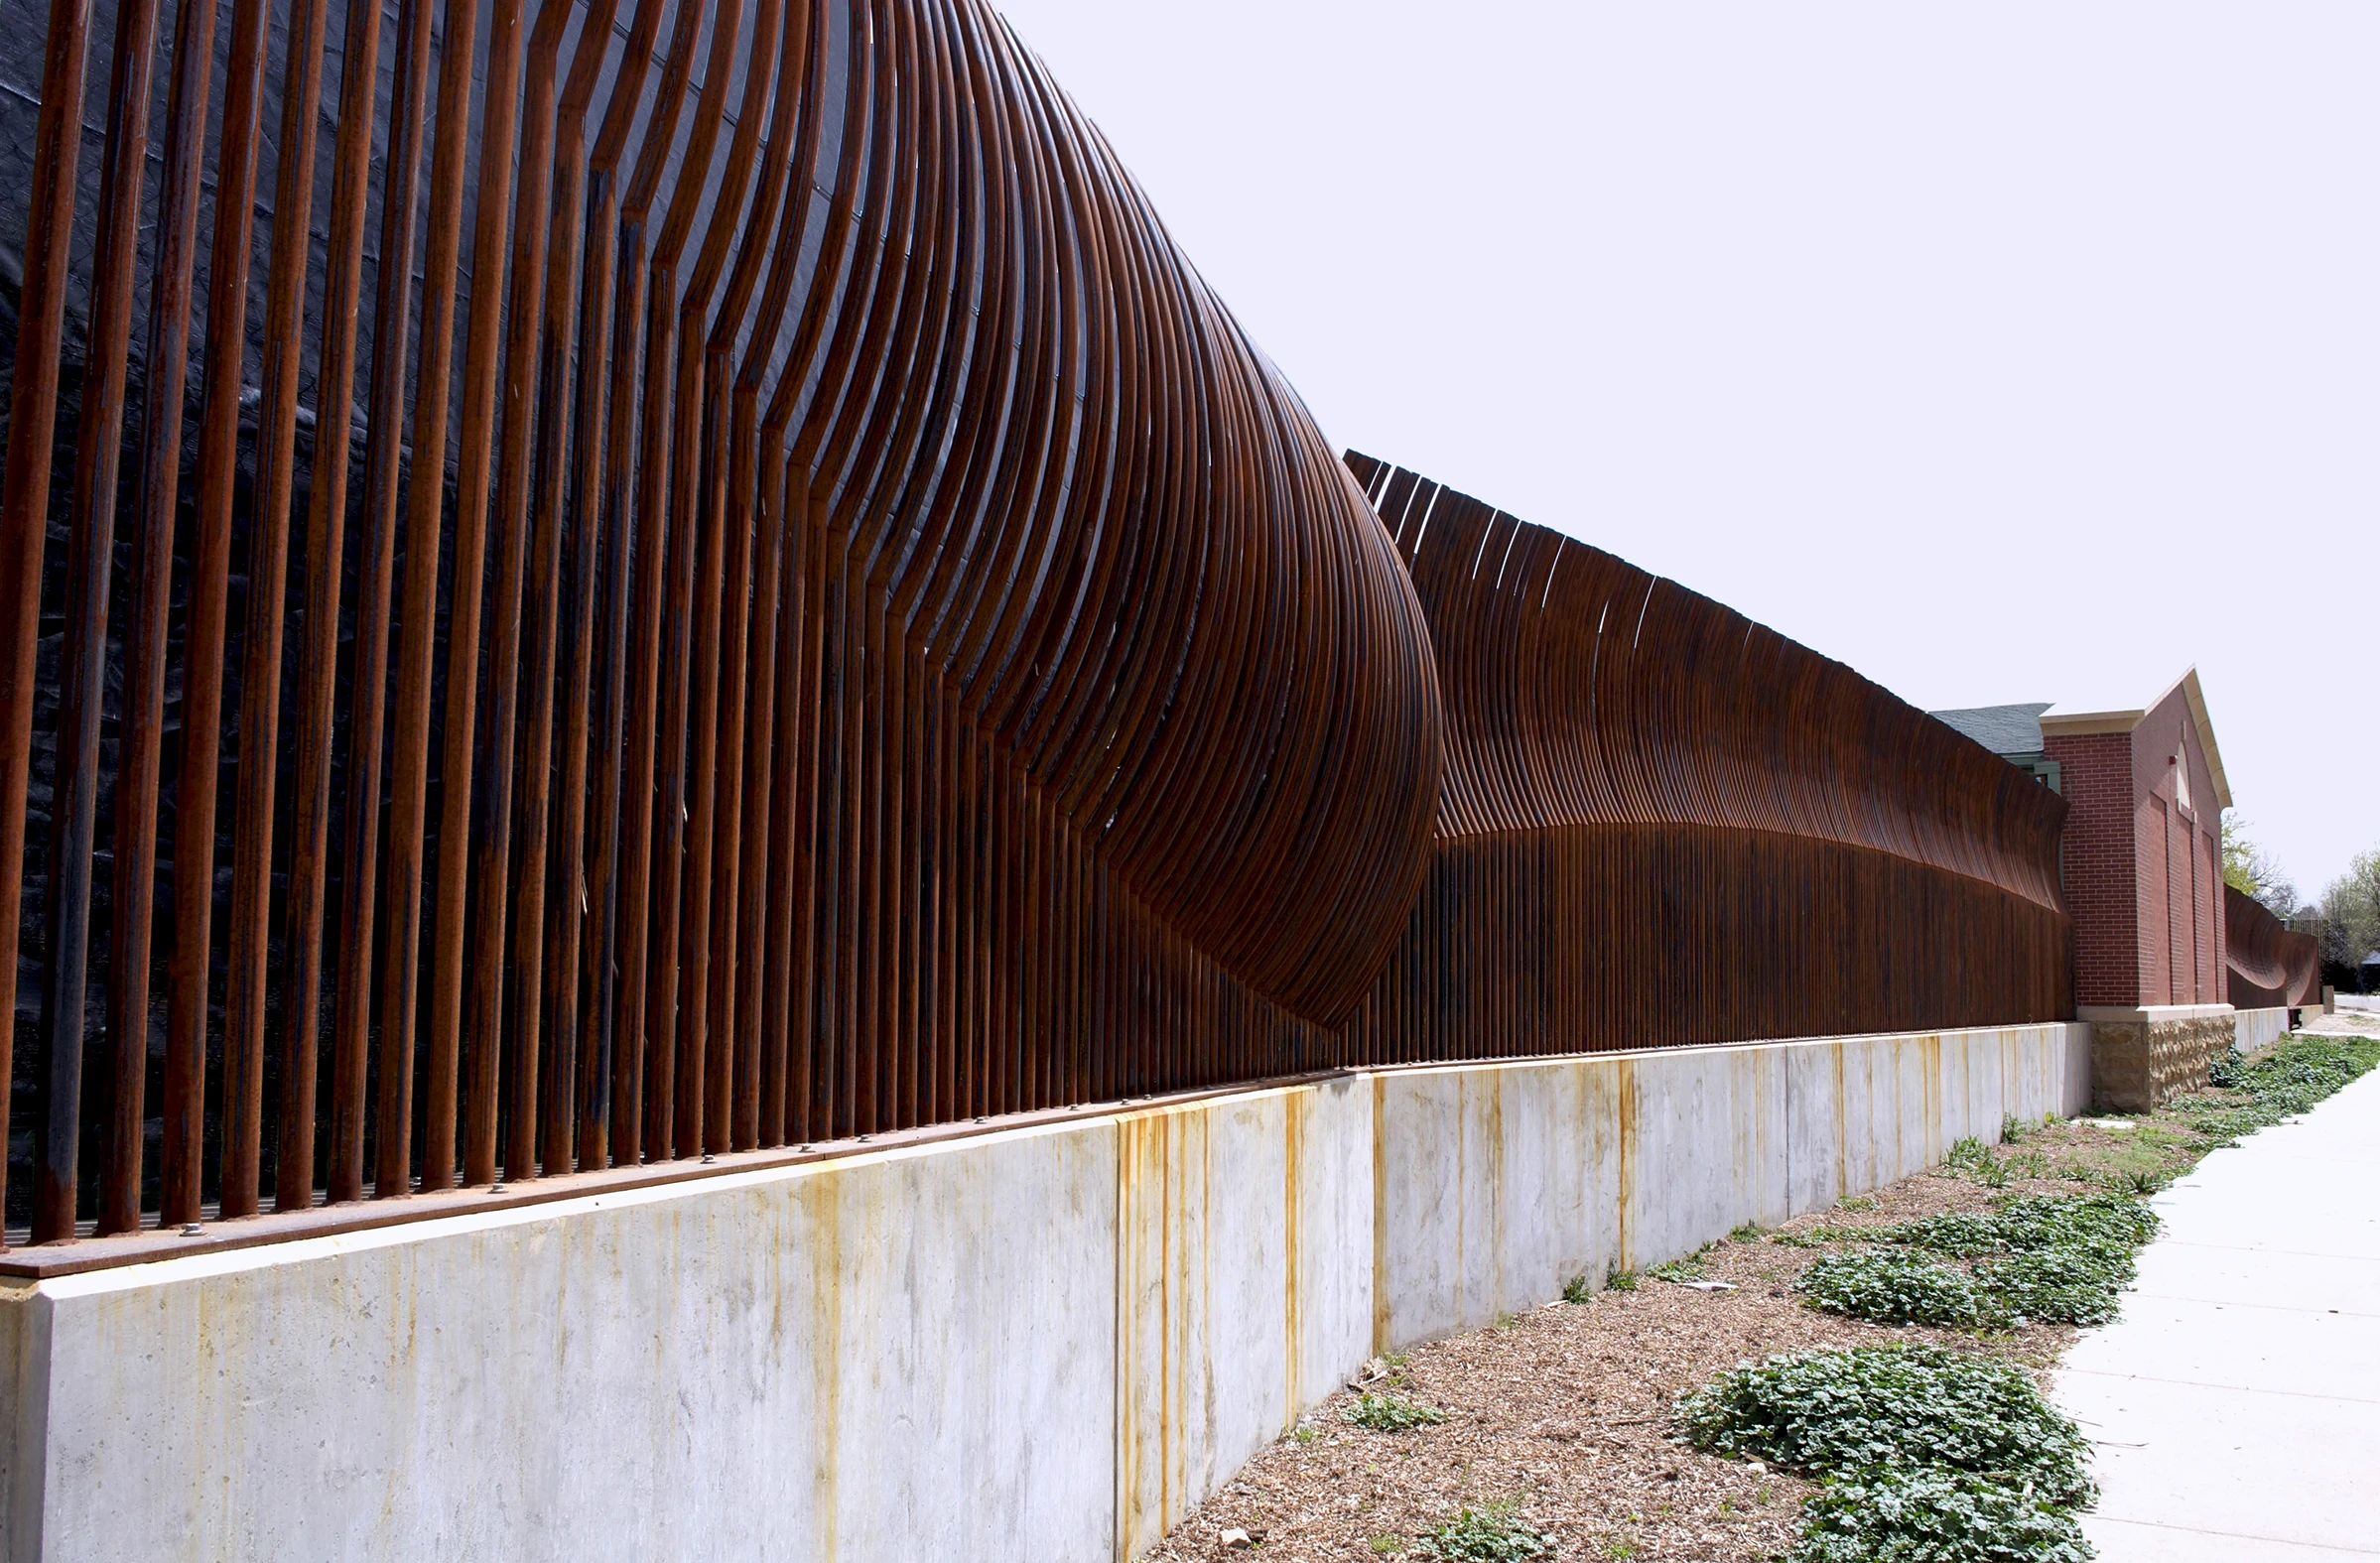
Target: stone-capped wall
2138, 1066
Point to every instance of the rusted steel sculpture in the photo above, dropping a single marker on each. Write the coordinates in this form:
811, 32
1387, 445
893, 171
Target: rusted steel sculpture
1662, 822
874, 645
2270, 966
784, 609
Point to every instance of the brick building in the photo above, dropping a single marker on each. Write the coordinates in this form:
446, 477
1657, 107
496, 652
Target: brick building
2142, 869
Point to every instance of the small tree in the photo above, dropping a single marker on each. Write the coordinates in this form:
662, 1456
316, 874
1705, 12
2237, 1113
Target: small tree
2250, 870
2239, 853
2351, 912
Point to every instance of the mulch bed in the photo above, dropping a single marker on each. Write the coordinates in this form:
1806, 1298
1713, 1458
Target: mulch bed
1563, 1411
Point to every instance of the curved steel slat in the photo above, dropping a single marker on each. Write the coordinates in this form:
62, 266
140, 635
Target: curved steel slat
1663, 824
902, 652
2269, 965
879, 645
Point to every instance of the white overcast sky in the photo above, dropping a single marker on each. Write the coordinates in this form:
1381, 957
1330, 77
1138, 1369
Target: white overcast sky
2010, 351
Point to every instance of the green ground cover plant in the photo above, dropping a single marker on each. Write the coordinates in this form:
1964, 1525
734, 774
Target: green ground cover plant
1969, 1155
2101, 1223
2050, 1258
1891, 1287
1936, 1456
1486, 1535
1692, 1267
1929, 1515
1846, 1410
1820, 1236
2226, 1071
2144, 1154
2047, 1286
2280, 1083
1926, 1455
1963, 1235
1392, 1413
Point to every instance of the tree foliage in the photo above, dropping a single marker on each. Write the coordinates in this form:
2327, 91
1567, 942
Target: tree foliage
2250, 870
2350, 927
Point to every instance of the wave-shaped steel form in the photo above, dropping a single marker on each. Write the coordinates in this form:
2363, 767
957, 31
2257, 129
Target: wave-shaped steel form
1663, 823
824, 623
790, 613
2269, 966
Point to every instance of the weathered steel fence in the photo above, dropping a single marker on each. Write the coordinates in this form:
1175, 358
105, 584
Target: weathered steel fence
1662, 822
2270, 966
718, 581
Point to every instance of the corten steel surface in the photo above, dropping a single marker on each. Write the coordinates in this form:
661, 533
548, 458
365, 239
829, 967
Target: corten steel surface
795, 616
1664, 824
2269, 966
821, 623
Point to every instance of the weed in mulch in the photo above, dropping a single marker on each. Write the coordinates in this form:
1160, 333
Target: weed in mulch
1692, 1267
1941, 1455
1820, 1236
1486, 1535
2149, 1152
2029, 1164
1392, 1413
1972, 1158
1966, 1155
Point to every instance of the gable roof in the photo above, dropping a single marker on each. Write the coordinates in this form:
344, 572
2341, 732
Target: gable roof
2078, 723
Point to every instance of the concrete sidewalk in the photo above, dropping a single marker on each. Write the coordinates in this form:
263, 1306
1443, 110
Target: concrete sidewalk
2236, 1404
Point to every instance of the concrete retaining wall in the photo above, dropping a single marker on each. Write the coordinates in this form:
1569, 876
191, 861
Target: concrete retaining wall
2261, 1028
1050, 1342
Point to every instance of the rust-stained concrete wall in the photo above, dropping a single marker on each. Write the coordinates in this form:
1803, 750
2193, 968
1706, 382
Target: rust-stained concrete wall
1049, 1342
830, 1360
1244, 1255
2255, 1028
1493, 1184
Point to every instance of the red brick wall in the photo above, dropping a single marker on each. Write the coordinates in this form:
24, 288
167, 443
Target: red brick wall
2143, 862
2156, 888
2214, 985
2102, 873
2164, 745
2201, 925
